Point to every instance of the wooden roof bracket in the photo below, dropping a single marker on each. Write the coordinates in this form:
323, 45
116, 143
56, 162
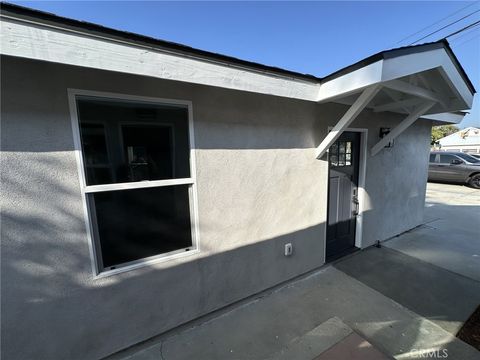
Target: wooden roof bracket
409, 120
362, 101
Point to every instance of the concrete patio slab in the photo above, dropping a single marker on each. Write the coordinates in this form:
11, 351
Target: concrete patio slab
266, 325
444, 297
451, 237
316, 341
353, 347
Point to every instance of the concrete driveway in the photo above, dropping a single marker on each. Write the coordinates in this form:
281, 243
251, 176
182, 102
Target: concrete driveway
404, 300
450, 237
434, 269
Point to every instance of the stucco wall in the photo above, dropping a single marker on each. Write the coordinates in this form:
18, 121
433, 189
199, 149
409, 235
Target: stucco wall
396, 182
259, 186
396, 178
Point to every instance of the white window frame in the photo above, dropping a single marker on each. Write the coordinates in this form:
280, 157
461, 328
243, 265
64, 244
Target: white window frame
97, 269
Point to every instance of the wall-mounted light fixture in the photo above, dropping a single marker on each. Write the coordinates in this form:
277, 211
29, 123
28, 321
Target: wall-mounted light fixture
383, 133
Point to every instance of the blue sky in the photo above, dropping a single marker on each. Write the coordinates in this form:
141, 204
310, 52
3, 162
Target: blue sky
309, 37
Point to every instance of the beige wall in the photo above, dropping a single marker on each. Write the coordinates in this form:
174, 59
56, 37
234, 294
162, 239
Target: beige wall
259, 186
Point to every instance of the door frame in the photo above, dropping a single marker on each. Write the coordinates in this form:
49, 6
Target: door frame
362, 171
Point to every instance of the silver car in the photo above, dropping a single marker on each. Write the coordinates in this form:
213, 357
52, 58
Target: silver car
455, 167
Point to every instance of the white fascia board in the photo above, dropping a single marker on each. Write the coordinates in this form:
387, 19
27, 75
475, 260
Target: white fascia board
41, 42
351, 83
395, 68
449, 118
405, 65
455, 80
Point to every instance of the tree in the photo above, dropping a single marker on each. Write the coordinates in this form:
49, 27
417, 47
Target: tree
441, 131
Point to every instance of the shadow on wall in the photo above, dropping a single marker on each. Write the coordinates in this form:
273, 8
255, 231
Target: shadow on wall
46, 275
49, 299
251, 121
47, 284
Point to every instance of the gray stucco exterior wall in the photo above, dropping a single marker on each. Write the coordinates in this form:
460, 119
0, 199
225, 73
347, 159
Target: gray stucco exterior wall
259, 186
396, 178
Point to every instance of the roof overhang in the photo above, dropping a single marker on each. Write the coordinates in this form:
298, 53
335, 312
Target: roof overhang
406, 80
406, 77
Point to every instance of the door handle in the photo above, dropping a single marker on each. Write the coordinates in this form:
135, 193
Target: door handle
355, 204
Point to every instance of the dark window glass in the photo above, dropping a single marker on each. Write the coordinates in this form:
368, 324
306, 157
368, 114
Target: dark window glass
126, 142
469, 158
447, 159
139, 223
348, 159
348, 154
340, 154
432, 157
334, 148
149, 152
334, 159
97, 162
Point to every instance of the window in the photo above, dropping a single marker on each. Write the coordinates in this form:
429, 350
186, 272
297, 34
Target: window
340, 154
447, 159
469, 158
137, 183
432, 157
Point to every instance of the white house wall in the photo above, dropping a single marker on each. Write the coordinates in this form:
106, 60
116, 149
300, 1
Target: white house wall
259, 187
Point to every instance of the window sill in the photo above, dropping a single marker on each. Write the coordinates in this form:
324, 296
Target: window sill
147, 262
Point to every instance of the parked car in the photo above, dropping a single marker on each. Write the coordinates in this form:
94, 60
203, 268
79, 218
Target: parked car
455, 167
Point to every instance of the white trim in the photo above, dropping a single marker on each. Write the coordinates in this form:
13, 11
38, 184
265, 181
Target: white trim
398, 67
137, 185
362, 173
456, 82
195, 222
58, 44
128, 97
445, 117
149, 47
351, 82
40, 41
136, 264
415, 63
85, 190
81, 177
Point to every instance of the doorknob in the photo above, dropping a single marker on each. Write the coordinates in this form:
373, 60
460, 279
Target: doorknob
355, 203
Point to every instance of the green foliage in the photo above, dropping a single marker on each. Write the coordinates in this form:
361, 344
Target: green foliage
439, 132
